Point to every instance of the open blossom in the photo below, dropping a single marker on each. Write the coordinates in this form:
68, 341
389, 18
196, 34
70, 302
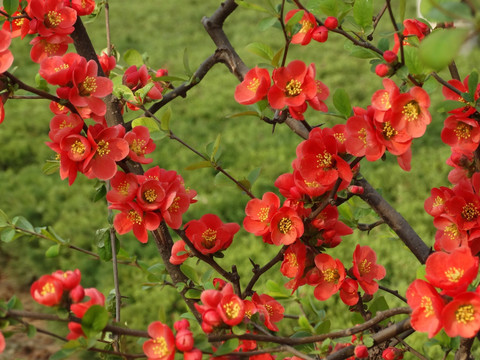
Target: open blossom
70, 279
140, 144
47, 290
308, 23
366, 270
179, 253
210, 234
270, 310
2, 342
51, 17
44, 47
332, 275
6, 57
132, 217
254, 86
285, 227
161, 346
259, 213
461, 316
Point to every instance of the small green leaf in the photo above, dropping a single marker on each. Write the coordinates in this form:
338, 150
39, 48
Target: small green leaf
322, 327
368, 341
379, 304
3, 219
448, 12
448, 105
165, 120
359, 52
14, 303
51, 167
384, 44
41, 83
276, 290
8, 235
190, 273
294, 23
439, 48
124, 92
412, 60
254, 174
52, 251
363, 12
10, 6
216, 146
199, 165
472, 83
186, 63
150, 123
227, 347
267, 23
304, 324
402, 6
21, 223
133, 57
421, 272
94, 320
341, 101
261, 49
142, 92
193, 294
62, 354
31, 331
251, 6
327, 7
100, 193
240, 329
277, 57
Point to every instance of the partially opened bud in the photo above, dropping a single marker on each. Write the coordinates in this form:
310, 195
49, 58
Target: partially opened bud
382, 70
320, 34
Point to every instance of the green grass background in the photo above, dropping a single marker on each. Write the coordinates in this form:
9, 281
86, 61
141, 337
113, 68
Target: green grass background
162, 30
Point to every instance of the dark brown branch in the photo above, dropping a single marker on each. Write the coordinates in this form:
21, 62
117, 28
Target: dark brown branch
394, 220
397, 30
452, 67
369, 227
393, 292
463, 352
380, 316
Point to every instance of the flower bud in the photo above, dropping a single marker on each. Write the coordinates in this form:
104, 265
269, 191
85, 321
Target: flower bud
77, 294
389, 56
181, 324
392, 353
331, 22
320, 34
212, 318
355, 189
184, 340
382, 70
361, 352
195, 354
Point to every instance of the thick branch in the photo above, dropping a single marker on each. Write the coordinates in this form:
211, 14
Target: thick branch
395, 221
463, 352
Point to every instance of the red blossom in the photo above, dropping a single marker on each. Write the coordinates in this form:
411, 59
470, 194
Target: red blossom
332, 275
82, 7
140, 144
132, 217
461, 133
6, 57
107, 63
44, 47
64, 125
361, 352
179, 253
231, 309
366, 270
69, 278
51, 17
461, 316
47, 290
260, 212
254, 86
57, 70
270, 310
2, 342
392, 353
331, 22
96, 298
349, 292
123, 188
285, 227
161, 346
308, 23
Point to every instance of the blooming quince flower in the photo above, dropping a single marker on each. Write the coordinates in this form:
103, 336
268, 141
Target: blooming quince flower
52, 17
366, 270
259, 213
285, 227
308, 22
69, 278
179, 248
461, 316
254, 86
332, 275
140, 144
161, 346
6, 57
132, 217
47, 290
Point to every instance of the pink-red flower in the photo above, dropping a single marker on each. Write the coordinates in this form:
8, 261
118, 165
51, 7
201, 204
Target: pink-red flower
6, 57
47, 290
254, 86
2, 342
286, 227
259, 213
161, 346
308, 23
51, 17
179, 253
332, 275
461, 316
140, 144
132, 217
366, 270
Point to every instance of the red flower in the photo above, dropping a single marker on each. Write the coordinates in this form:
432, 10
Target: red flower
108, 147
64, 125
427, 307
96, 298
349, 292
254, 86
461, 133
179, 253
75, 331
361, 351
366, 270
259, 213
2, 342
184, 340
285, 227
140, 144
294, 260
392, 353
231, 309
452, 272
123, 188
82, 7
461, 316
45, 47
47, 290
51, 17
308, 22
293, 86
107, 63
161, 346
332, 275
69, 278
210, 234
270, 309
133, 218
412, 27
57, 70
6, 57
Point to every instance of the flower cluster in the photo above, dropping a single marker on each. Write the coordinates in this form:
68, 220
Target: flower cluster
163, 343
309, 29
62, 288
137, 78
452, 273
293, 87
145, 200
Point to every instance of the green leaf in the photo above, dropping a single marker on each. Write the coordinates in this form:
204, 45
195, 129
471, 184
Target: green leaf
41, 83
359, 52
216, 146
124, 92
261, 49
292, 23
150, 123
14, 303
368, 341
277, 57
322, 327
421, 272
384, 44
94, 320
304, 324
472, 83
276, 290
21, 223
10, 6
227, 347
165, 120
379, 304
327, 7
3, 219
186, 63
254, 174
142, 92
439, 48
412, 60
8, 235
193, 294
31, 331
199, 165
363, 12
133, 57
51, 167
190, 272
402, 5
267, 23
100, 193
448, 12
448, 105
251, 6
62, 354
341, 101
104, 244
52, 235
53, 251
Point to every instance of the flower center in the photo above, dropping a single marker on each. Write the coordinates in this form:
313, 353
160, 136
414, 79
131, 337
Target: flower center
292, 259
160, 348
340, 137
150, 195
331, 275
138, 146
88, 86
285, 225
411, 111
253, 85
209, 236
469, 212
427, 306
306, 26
48, 288
174, 207
102, 148
464, 314
52, 19
365, 267
123, 188
51, 48
232, 309
388, 131
134, 217
324, 160
385, 100
362, 135
454, 274
61, 67
462, 131
78, 148
293, 88
438, 201
263, 214
451, 231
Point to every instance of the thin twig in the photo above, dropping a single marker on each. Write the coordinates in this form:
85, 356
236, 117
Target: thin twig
412, 350
397, 30
393, 292
107, 28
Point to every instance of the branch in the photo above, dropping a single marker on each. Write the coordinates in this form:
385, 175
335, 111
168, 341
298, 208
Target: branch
463, 352
380, 316
394, 220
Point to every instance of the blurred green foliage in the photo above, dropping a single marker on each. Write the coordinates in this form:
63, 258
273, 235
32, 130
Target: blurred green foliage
162, 30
